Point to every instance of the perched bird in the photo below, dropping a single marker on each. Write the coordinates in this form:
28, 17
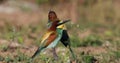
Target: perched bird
65, 40
50, 38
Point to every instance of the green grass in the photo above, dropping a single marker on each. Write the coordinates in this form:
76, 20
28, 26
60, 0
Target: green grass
91, 40
4, 47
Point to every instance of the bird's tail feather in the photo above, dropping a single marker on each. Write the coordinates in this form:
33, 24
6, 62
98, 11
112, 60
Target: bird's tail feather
37, 52
73, 55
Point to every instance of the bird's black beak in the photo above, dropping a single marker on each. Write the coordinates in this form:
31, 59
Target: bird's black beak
63, 22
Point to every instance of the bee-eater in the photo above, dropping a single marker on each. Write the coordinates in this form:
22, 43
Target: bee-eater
62, 30
50, 38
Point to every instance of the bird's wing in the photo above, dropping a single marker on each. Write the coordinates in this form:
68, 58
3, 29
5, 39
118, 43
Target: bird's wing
48, 38
45, 36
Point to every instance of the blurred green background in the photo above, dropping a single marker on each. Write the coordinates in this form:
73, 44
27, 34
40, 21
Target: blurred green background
94, 24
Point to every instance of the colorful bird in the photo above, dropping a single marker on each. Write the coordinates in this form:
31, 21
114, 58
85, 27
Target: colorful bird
62, 29
50, 38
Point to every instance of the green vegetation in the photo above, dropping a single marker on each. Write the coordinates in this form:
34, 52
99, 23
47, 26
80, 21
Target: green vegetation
92, 41
88, 59
20, 58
